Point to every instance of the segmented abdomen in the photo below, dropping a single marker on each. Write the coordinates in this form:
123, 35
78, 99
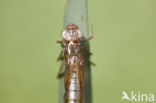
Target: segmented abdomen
74, 85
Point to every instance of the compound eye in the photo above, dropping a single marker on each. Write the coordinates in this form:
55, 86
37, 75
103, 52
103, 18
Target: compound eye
74, 33
66, 35
79, 33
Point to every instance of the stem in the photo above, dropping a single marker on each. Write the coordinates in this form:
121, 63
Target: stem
76, 12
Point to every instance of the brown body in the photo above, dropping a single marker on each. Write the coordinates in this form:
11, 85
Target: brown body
73, 61
74, 80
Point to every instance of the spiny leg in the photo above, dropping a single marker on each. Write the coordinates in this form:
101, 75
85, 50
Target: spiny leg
92, 63
60, 55
85, 49
59, 41
91, 37
87, 58
86, 39
60, 70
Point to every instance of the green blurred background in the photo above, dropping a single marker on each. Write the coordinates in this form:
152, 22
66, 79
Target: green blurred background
124, 48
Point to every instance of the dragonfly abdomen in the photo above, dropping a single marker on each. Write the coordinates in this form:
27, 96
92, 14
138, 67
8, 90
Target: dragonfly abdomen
74, 90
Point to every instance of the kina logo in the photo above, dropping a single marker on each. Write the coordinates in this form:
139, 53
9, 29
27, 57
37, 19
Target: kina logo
137, 96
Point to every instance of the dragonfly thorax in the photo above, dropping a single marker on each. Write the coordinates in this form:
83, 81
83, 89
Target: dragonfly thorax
73, 48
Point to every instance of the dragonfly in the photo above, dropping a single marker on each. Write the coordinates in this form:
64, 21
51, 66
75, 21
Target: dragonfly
73, 61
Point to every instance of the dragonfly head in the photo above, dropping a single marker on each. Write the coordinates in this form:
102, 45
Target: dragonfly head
71, 32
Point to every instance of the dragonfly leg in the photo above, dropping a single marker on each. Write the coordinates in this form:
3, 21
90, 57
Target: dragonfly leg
90, 62
91, 37
85, 49
59, 41
59, 75
60, 55
86, 39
